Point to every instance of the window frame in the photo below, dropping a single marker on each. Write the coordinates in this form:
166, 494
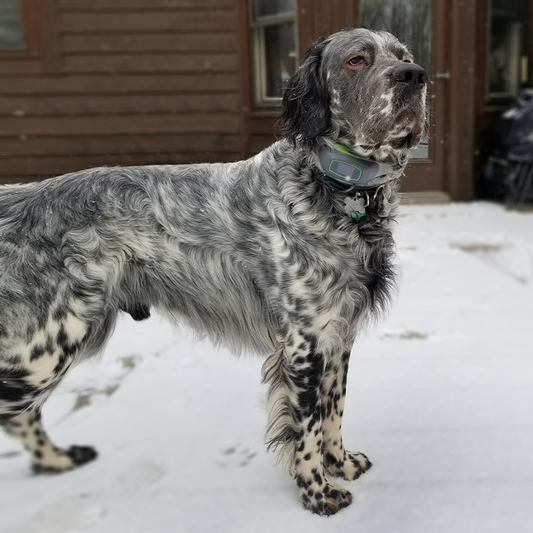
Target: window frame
516, 50
30, 24
258, 67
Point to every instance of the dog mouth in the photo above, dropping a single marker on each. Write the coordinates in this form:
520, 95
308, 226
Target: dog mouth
399, 141
407, 132
408, 141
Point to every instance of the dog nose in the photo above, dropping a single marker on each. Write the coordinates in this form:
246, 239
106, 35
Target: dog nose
410, 74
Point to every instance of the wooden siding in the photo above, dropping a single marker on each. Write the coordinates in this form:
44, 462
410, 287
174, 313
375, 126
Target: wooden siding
122, 82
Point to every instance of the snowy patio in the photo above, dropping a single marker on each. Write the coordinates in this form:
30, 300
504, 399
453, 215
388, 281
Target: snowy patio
440, 397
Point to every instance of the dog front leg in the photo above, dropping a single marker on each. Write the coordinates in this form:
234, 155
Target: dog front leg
294, 374
337, 460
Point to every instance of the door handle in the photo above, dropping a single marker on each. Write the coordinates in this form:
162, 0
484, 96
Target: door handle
443, 75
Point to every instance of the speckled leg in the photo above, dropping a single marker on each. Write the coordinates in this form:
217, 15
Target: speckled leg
337, 460
295, 421
46, 457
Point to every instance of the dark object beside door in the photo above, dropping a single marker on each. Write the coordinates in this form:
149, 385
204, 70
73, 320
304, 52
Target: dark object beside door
508, 172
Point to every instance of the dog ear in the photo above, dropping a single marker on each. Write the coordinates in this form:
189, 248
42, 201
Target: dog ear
305, 113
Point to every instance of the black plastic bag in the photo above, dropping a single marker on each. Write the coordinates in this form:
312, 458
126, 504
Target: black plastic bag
512, 147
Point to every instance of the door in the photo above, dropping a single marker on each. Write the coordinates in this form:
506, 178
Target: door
414, 22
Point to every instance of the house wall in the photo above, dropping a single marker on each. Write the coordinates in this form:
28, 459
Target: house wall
125, 82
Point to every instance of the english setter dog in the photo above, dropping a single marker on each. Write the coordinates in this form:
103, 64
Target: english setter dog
286, 254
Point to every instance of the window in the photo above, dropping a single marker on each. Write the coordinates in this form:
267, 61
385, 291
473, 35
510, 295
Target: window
410, 21
504, 49
11, 25
274, 48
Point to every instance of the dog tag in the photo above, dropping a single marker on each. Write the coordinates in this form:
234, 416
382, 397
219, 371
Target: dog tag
354, 207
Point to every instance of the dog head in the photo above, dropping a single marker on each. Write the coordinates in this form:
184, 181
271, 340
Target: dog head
360, 88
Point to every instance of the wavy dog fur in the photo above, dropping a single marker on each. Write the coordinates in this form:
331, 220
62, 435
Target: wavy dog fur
256, 255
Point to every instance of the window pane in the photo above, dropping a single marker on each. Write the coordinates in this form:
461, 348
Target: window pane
11, 30
273, 32
410, 21
280, 58
504, 53
264, 8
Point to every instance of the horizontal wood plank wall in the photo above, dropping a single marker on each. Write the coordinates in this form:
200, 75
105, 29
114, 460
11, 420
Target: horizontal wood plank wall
137, 82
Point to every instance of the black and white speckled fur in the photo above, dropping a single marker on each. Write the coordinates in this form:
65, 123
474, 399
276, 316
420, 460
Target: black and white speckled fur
255, 255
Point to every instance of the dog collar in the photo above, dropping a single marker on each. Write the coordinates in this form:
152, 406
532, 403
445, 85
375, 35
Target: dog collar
343, 166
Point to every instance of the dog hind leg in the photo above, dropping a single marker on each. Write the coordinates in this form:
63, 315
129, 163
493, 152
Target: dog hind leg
46, 456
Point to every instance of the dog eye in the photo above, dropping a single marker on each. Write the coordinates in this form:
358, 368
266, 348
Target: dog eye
356, 61
407, 60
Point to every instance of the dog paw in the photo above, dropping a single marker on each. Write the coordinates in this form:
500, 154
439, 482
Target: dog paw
81, 455
326, 498
57, 460
350, 467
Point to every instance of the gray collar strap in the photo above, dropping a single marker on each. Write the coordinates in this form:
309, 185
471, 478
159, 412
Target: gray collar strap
343, 166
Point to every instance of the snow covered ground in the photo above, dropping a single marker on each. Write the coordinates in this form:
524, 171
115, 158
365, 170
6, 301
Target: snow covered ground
440, 396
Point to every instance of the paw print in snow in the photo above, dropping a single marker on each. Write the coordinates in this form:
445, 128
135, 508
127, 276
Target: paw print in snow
235, 456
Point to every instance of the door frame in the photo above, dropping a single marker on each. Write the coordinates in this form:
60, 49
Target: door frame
429, 174
463, 32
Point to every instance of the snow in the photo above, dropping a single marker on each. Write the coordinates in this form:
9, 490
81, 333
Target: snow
440, 397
